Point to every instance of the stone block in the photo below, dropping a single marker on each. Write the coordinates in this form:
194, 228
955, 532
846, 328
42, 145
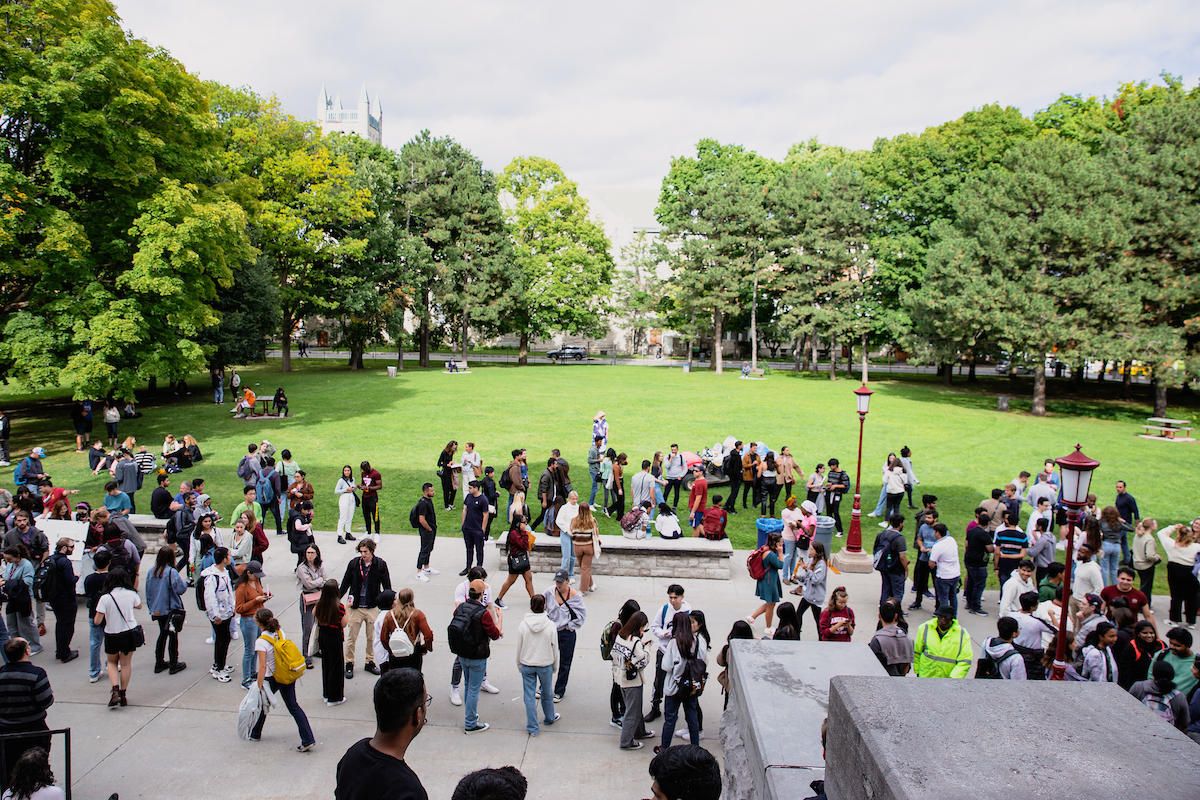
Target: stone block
999, 740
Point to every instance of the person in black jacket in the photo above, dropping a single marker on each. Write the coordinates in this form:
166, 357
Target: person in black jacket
161, 497
733, 470
837, 484
299, 530
426, 517
63, 601
488, 484
366, 576
5, 430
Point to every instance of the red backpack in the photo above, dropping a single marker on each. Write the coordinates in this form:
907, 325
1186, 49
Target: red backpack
754, 564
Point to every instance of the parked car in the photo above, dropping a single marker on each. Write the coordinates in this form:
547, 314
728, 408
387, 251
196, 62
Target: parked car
575, 351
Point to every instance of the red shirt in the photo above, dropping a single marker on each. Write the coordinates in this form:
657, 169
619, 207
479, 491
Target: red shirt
699, 489
56, 494
376, 480
1135, 597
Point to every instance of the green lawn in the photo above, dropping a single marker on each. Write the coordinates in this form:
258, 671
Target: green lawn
961, 446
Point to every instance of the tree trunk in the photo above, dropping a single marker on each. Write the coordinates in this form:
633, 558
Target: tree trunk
754, 326
1160, 399
423, 337
796, 354
816, 353
152, 385
1127, 380
523, 349
689, 353
286, 349
718, 333
971, 372
400, 351
1039, 389
1103, 369
863, 345
465, 325
947, 373
356, 356
1077, 377
832, 359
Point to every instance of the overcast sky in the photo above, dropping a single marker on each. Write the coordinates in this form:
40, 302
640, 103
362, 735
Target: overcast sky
611, 91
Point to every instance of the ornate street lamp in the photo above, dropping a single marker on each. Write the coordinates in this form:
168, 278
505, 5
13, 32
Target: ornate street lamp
1076, 480
851, 558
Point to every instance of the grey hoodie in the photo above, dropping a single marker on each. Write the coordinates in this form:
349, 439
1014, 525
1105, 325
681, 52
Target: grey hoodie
537, 642
1011, 669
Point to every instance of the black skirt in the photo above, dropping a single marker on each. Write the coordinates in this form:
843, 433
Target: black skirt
116, 643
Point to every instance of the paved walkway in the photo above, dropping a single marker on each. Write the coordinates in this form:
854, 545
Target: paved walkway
178, 736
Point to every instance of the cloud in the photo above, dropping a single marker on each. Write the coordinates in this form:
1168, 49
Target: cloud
612, 91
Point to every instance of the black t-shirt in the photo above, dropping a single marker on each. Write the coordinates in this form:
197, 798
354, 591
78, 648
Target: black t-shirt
975, 554
364, 773
425, 509
93, 587
475, 506
160, 502
893, 540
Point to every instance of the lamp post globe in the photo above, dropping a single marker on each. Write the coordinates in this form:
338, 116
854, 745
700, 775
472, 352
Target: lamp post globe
1076, 469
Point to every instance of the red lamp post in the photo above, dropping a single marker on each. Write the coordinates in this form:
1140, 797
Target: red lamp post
1076, 472
862, 396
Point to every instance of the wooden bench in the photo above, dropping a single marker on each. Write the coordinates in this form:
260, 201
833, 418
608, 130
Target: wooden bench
1167, 428
756, 374
688, 557
459, 367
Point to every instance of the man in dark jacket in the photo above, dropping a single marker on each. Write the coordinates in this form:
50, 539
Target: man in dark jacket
837, 483
128, 479
474, 651
366, 576
733, 470
63, 601
160, 498
25, 695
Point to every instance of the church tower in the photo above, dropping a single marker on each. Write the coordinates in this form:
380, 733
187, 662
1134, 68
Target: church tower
363, 120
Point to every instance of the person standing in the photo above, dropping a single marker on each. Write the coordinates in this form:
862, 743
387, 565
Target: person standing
1145, 556
474, 520
267, 645
942, 648
515, 476
674, 473
785, 468
374, 768
891, 644
1126, 504
812, 578
630, 657
366, 576
642, 486
891, 559
924, 541
125, 471
248, 597
93, 588
115, 612
347, 500
310, 574
732, 467
594, 456
698, 499
943, 563
547, 492
1011, 547
469, 635
330, 617
165, 588
768, 485
372, 482
472, 463
661, 628
298, 488
976, 553
585, 539
18, 590
683, 646
25, 689
563, 520
61, 597
219, 607
1181, 545
537, 659
837, 484
5, 432
426, 518
564, 607
750, 474
404, 615
600, 428
910, 477
445, 472
769, 589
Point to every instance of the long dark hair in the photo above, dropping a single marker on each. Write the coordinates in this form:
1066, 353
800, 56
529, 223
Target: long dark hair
450, 445
118, 578
326, 611
316, 561
30, 773
634, 625
789, 622
698, 616
164, 559
343, 473
682, 634
266, 620
628, 608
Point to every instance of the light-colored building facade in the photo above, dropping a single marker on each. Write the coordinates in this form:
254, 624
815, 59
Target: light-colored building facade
364, 120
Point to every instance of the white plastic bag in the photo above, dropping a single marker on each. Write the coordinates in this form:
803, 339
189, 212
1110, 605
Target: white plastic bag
257, 701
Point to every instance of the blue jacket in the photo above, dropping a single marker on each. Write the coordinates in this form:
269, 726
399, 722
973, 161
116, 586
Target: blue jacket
164, 595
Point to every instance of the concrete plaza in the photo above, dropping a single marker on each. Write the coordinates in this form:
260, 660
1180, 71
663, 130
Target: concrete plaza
178, 738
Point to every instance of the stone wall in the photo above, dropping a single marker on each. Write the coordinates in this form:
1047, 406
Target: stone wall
653, 558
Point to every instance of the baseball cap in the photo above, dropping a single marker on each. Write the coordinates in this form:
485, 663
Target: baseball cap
40, 452
477, 587
1094, 599
561, 576
254, 568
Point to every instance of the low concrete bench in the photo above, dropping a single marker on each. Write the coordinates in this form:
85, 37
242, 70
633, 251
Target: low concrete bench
688, 557
152, 529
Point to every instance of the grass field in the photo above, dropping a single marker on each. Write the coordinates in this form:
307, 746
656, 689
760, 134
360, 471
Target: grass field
961, 446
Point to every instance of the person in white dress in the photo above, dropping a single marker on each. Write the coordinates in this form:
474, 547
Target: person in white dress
345, 494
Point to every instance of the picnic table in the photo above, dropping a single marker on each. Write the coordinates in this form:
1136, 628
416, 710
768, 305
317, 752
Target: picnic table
265, 402
1178, 430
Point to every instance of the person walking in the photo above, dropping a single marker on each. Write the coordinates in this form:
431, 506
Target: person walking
365, 577
474, 520
426, 518
371, 483
594, 456
815, 487
812, 578
891, 559
18, 589
768, 485
537, 659
1113, 531
445, 472
269, 649
662, 627
405, 616
26, 692
1181, 543
837, 484
563, 520
786, 468
585, 539
165, 588
93, 589
520, 545
732, 467
310, 574
630, 656
910, 477
674, 472
469, 635
894, 481
248, 597
116, 612
59, 592
683, 647
565, 608
347, 501
330, 617
768, 588
219, 607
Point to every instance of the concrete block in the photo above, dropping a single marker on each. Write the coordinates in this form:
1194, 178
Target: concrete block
999, 740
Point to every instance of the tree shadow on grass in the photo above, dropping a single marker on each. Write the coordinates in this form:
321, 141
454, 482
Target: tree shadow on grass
984, 396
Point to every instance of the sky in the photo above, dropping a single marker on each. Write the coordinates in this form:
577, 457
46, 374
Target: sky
612, 91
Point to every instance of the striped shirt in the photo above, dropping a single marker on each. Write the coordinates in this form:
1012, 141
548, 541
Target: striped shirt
145, 462
24, 693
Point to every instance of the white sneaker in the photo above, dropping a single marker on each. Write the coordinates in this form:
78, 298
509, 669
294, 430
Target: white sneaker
421, 576
432, 571
682, 733
209, 640
218, 675
228, 670
335, 702
487, 687
455, 696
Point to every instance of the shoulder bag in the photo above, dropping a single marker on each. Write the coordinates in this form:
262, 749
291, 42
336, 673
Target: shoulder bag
137, 632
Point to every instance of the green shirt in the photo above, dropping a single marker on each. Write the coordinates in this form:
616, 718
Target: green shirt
1046, 590
256, 508
1184, 679
289, 469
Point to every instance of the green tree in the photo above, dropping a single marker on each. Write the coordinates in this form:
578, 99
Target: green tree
563, 254
637, 290
115, 230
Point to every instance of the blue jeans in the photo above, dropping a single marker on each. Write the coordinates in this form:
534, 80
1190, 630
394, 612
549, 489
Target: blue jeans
95, 647
288, 692
671, 705
976, 581
947, 592
219, 393
789, 559
892, 586
474, 673
568, 553
249, 630
1110, 560
595, 485
882, 499
532, 678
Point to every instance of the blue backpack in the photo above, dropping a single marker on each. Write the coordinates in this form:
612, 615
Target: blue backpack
19, 471
266, 489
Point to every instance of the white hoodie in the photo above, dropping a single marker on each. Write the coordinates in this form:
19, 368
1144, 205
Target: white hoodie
218, 593
537, 642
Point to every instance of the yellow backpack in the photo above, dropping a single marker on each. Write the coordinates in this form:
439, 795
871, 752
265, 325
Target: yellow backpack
289, 662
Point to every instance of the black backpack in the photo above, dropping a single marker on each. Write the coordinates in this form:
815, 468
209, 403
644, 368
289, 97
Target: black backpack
200, 603
47, 580
119, 556
505, 481
464, 634
694, 677
413, 517
989, 668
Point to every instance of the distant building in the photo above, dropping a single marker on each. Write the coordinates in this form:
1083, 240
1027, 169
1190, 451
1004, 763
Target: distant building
363, 120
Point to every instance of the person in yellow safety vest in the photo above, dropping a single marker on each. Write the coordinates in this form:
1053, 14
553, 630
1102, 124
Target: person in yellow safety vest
942, 648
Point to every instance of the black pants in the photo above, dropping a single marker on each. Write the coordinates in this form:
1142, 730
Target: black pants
1182, 585
566, 654
15, 748
1146, 582
750, 490
272, 508
769, 493
908, 491
893, 504
427, 538
221, 642
168, 641
660, 677
448, 490
735, 481
834, 509
64, 625
618, 501
616, 702
370, 509
184, 543
816, 614
673, 485
3, 449
533, 524
474, 542
921, 580
333, 677
132, 502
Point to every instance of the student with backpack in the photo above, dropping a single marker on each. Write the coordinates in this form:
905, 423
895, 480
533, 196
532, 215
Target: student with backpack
662, 627
630, 656
405, 633
17, 584
469, 635
54, 584
280, 664
684, 663
616, 702
1160, 695
1000, 656
218, 597
891, 558
768, 588
270, 490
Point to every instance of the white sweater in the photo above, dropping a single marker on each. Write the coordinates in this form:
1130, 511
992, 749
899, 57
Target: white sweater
1185, 555
537, 642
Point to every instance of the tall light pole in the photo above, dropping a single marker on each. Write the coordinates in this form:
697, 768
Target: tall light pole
1076, 480
852, 557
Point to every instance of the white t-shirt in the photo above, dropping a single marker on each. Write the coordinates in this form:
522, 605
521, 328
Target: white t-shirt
44, 793
117, 607
261, 645
460, 594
